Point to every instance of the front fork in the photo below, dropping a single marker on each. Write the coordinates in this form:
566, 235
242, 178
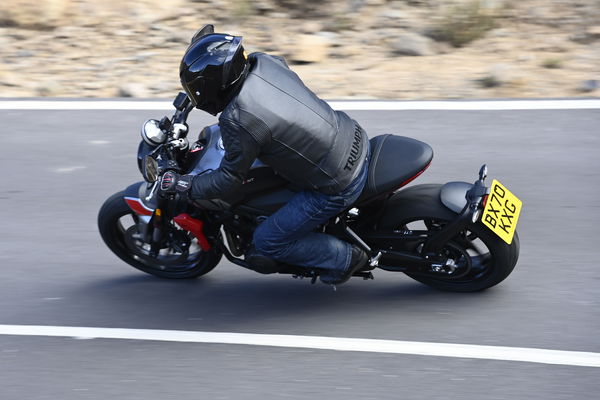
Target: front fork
154, 214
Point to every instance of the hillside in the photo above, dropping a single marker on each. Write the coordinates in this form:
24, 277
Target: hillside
402, 49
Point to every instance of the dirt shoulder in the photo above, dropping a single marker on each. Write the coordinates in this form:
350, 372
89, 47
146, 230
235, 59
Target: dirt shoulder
410, 49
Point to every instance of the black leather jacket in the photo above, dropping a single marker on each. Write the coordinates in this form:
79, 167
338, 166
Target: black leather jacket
277, 119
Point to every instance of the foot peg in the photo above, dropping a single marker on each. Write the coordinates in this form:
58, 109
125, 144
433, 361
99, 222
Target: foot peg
374, 261
366, 275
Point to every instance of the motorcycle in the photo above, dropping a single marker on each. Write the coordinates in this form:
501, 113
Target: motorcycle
456, 236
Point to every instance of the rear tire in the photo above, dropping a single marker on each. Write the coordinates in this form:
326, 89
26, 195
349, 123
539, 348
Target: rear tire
421, 204
501, 262
113, 228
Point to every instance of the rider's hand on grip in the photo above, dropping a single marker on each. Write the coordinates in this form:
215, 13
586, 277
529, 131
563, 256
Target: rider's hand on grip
172, 183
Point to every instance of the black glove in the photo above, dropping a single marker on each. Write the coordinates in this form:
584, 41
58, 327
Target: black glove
171, 183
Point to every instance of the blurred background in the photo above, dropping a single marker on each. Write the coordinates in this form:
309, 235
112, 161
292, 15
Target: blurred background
388, 49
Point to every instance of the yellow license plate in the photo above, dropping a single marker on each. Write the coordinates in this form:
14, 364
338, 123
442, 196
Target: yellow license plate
501, 212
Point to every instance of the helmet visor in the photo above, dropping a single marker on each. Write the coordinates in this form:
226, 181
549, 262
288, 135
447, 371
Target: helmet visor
233, 48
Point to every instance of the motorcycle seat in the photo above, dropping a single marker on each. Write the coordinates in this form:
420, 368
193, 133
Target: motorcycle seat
394, 162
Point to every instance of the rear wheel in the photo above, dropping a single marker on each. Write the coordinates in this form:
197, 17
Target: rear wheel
118, 226
480, 258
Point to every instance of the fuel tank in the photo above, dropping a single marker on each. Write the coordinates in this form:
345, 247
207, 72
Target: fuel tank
263, 191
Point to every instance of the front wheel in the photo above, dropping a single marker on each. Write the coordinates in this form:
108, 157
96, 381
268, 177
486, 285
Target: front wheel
118, 227
481, 258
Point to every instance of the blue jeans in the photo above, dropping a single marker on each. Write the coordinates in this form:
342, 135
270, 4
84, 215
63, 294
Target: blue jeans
287, 235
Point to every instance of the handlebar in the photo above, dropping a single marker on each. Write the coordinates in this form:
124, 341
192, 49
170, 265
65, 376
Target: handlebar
181, 115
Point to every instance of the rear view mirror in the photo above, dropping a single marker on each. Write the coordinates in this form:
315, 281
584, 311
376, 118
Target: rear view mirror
150, 169
181, 101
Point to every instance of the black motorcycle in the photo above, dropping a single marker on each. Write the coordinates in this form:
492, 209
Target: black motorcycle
457, 236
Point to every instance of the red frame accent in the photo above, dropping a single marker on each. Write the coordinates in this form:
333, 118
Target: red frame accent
196, 227
137, 206
406, 182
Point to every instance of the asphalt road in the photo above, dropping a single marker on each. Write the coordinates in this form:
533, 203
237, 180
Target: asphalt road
59, 166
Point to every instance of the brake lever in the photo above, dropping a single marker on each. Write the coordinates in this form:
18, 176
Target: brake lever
152, 191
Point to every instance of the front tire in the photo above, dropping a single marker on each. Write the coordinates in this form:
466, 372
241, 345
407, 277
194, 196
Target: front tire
488, 259
116, 222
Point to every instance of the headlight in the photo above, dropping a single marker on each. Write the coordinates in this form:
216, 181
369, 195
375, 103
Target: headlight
152, 134
150, 169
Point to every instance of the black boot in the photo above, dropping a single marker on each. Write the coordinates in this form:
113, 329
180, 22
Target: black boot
357, 262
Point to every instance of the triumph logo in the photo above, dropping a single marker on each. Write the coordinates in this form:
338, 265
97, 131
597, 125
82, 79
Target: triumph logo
355, 150
183, 185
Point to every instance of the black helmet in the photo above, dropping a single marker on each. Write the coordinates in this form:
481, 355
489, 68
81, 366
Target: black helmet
212, 68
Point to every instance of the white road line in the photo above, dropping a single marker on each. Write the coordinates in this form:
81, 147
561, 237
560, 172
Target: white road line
522, 354
376, 105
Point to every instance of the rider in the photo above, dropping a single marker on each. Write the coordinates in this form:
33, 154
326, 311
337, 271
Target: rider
268, 113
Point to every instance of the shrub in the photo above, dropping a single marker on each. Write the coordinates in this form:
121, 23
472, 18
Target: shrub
464, 23
489, 81
552, 63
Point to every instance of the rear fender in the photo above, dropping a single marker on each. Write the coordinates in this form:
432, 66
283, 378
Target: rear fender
424, 201
454, 195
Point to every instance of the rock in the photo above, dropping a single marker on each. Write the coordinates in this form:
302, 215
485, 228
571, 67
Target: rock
331, 36
395, 19
132, 90
145, 55
492, 4
280, 15
393, 14
498, 33
34, 13
355, 5
503, 73
588, 86
311, 27
310, 49
49, 89
66, 32
412, 44
526, 58
25, 53
555, 44
124, 32
263, 6
593, 33
178, 37
498, 75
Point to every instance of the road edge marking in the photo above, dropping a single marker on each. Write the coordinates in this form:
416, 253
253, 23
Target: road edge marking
500, 353
350, 105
